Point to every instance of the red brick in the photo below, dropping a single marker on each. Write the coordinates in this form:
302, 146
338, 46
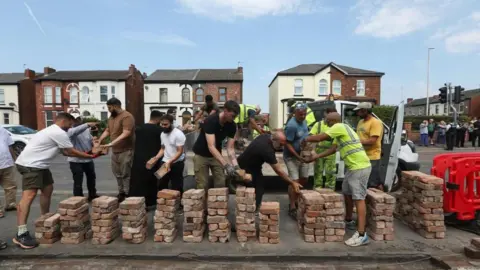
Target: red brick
72, 203
168, 194
372, 86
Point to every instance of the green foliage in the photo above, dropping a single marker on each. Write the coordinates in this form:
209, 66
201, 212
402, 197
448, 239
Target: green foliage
417, 120
101, 127
384, 112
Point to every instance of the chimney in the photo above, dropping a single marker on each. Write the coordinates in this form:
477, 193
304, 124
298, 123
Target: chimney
409, 100
29, 74
131, 69
240, 70
144, 75
48, 70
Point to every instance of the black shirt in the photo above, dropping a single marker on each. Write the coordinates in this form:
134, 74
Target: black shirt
259, 151
211, 125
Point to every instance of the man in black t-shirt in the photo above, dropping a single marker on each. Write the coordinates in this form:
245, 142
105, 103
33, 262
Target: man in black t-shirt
208, 147
209, 108
261, 151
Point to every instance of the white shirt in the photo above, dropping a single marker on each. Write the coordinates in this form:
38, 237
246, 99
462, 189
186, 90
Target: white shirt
171, 141
43, 147
6, 141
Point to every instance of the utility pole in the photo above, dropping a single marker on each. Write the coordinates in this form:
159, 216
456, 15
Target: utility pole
428, 81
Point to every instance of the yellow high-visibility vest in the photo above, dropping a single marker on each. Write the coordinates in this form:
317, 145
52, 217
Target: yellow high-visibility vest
242, 117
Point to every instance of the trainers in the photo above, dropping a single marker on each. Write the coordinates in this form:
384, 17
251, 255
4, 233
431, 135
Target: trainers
351, 225
357, 240
25, 241
11, 207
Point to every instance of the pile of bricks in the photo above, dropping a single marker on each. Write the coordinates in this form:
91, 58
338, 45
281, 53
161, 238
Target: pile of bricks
334, 214
193, 202
420, 204
269, 223
105, 225
74, 220
311, 215
245, 214
134, 220
219, 229
47, 228
473, 250
165, 218
380, 207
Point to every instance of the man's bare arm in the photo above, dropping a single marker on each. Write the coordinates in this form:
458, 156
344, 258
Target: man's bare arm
14, 156
279, 171
231, 152
254, 126
213, 150
104, 135
370, 141
318, 138
178, 154
72, 152
199, 114
330, 151
292, 150
213, 112
125, 134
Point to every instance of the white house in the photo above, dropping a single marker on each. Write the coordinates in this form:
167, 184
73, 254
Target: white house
93, 95
9, 103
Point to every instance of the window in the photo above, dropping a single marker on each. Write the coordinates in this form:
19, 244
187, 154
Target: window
444, 109
186, 95
48, 118
199, 95
322, 88
86, 113
437, 109
6, 118
47, 95
113, 90
103, 93
298, 88
103, 116
222, 94
58, 95
163, 95
337, 87
361, 88
73, 95
2, 97
85, 94
461, 107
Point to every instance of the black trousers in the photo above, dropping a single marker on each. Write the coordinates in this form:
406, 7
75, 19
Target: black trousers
78, 169
475, 138
460, 140
174, 177
450, 136
258, 182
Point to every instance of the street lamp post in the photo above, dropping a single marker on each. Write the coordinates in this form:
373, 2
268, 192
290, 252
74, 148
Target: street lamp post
427, 110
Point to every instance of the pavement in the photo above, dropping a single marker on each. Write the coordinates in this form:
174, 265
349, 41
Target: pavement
408, 248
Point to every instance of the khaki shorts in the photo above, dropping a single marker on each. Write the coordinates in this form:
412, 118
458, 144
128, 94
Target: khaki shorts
34, 178
296, 169
355, 183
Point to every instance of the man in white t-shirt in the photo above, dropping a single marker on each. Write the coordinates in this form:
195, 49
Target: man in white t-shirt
173, 141
33, 163
7, 175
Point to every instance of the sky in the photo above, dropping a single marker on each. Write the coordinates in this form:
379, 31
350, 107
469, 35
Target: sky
265, 36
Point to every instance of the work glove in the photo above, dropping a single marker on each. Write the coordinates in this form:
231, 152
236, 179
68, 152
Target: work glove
230, 170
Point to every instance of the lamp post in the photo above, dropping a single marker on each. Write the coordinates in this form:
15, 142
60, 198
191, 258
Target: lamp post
427, 110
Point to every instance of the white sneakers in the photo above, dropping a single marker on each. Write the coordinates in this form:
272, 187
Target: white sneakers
357, 240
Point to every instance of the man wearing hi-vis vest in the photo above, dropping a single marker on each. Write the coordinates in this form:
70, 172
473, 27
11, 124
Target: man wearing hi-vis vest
325, 172
247, 116
310, 118
357, 163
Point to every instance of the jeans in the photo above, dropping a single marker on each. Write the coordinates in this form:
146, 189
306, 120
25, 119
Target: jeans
424, 139
174, 177
78, 169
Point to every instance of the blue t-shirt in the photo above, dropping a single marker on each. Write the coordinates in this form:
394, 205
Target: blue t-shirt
295, 133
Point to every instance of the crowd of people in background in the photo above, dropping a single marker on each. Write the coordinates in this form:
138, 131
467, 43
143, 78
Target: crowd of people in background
450, 135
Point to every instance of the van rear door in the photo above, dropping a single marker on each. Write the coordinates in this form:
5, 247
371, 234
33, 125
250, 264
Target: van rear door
391, 147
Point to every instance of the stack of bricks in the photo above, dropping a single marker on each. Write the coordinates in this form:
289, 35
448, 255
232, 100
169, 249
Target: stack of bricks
47, 228
74, 220
134, 220
334, 214
380, 207
311, 216
269, 223
105, 225
165, 218
219, 229
193, 202
420, 204
245, 214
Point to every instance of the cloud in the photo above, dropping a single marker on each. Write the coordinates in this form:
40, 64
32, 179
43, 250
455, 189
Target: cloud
34, 18
229, 10
171, 39
394, 18
463, 36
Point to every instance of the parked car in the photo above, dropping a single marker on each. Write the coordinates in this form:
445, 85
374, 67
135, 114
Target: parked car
20, 136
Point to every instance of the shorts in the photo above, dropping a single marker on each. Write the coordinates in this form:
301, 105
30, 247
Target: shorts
296, 169
355, 183
430, 134
35, 178
374, 180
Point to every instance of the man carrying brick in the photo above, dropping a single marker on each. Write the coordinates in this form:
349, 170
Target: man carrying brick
121, 129
33, 163
358, 166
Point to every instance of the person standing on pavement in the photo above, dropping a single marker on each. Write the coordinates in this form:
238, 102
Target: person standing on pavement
442, 130
432, 126
208, 147
450, 136
209, 108
296, 130
424, 133
476, 132
460, 136
261, 151
325, 173
172, 151
370, 131
354, 186
121, 130
33, 164
82, 141
7, 173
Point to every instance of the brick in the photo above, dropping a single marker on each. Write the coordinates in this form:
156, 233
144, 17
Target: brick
270, 208
104, 202
472, 252
133, 203
168, 194
73, 202
52, 220
218, 192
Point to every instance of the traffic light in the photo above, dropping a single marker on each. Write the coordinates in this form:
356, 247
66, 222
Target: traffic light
458, 95
443, 95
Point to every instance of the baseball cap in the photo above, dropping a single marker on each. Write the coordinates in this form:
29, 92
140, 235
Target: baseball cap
363, 105
75, 115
